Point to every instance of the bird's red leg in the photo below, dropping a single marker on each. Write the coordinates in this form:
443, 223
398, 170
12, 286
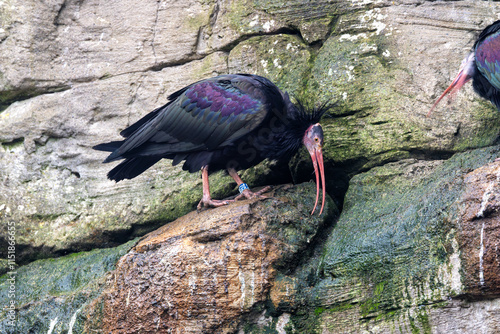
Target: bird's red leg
206, 200
247, 193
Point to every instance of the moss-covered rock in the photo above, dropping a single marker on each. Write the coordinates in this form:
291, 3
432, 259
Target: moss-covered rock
51, 295
379, 115
393, 258
284, 59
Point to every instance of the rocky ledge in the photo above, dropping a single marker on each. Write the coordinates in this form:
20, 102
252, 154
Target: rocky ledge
415, 245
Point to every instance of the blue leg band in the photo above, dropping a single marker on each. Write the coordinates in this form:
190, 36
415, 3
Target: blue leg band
243, 187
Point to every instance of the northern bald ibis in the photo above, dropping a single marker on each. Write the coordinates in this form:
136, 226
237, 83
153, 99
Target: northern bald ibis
229, 122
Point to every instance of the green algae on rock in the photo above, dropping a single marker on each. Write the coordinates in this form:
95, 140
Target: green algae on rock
395, 255
283, 59
53, 293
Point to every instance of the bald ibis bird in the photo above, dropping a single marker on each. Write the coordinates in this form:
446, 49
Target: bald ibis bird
482, 65
229, 122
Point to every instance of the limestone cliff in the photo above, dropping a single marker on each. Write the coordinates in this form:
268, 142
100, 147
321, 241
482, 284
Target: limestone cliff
414, 248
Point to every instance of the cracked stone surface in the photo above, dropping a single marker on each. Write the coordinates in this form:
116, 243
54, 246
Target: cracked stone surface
213, 265
95, 68
73, 73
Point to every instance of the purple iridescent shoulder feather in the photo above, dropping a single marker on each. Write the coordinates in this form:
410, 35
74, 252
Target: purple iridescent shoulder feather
224, 98
487, 53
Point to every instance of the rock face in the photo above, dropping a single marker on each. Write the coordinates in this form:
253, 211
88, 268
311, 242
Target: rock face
415, 248
480, 231
95, 68
52, 294
416, 257
196, 274
202, 271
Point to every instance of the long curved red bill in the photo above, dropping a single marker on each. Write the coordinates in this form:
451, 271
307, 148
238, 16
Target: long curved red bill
317, 159
459, 81
464, 75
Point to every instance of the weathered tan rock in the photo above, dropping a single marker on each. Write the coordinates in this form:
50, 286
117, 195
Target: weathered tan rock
53, 183
56, 45
95, 67
479, 231
201, 272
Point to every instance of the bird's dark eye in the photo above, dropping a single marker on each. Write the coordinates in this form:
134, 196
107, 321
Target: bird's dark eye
316, 139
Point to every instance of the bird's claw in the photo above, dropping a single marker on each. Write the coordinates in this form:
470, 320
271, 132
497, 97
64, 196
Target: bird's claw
248, 194
212, 203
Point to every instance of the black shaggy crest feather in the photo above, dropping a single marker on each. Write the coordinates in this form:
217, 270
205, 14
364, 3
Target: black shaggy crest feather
302, 116
311, 115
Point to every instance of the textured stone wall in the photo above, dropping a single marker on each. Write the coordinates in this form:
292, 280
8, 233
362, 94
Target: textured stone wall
415, 248
75, 73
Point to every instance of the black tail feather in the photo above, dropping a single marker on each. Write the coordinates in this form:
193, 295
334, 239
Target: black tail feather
131, 129
108, 147
132, 167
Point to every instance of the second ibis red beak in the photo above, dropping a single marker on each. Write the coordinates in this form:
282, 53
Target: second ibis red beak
465, 74
313, 140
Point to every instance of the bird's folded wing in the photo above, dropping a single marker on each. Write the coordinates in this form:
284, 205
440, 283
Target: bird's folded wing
204, 116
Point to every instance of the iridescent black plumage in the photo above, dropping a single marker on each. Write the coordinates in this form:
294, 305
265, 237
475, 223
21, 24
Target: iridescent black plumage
486, 80
228, 122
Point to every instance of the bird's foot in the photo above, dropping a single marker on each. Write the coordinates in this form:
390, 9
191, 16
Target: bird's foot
212, 203
248, 194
